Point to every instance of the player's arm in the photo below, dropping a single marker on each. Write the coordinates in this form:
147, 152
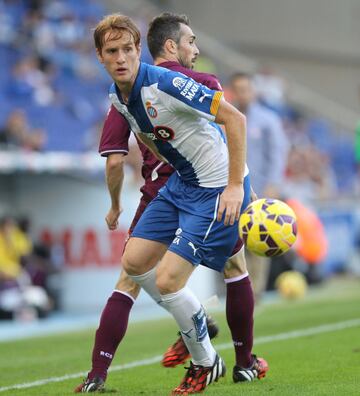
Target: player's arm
235, 128
114, 181
114, 145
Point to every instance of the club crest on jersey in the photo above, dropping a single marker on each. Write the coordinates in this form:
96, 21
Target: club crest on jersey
179, 83
164, 133
152, 111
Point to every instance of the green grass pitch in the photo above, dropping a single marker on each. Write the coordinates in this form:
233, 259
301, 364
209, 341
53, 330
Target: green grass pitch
324, 363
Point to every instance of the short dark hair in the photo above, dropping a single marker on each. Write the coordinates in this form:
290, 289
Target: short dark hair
240, 75
163, 27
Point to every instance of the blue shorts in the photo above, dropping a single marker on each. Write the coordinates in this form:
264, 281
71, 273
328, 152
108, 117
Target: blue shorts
183, 217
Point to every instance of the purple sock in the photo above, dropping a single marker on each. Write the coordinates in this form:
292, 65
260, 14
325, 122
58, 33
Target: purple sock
112, 328
239, 315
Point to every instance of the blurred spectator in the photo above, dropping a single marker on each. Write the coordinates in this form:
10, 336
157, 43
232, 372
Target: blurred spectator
18, 134
309, 175
296, 128
267, 144
267, 148
32, 81
270, 89
22, 295
49, 68
14, 244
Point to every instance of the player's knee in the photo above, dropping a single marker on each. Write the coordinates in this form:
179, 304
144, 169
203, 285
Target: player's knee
231, 273
235, 266
130, 265
167, 284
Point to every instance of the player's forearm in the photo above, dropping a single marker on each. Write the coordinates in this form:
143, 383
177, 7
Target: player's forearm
235, 127
114, 178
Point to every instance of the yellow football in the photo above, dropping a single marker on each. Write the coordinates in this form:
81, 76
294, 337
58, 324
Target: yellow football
268, 227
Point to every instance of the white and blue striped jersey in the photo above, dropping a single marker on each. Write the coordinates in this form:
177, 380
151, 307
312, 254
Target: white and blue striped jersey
178, 115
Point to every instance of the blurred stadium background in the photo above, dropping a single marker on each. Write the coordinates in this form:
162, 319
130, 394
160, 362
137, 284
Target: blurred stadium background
57, 259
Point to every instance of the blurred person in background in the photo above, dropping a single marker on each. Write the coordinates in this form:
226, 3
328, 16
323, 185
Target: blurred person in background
267, 151
14, 244
47, 59
270, 89
17, 133
40, 265
19, 298
309, 174
31, 80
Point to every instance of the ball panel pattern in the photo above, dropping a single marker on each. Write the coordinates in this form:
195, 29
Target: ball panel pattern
268, 227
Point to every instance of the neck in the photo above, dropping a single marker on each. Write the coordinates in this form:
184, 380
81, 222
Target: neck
161, 59
125, 90
126, 87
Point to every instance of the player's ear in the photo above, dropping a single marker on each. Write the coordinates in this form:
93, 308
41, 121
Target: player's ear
170, 46
99, 56
138, 49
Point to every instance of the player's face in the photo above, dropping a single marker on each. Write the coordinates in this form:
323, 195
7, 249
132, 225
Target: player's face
187, 49
243, 92
120, 56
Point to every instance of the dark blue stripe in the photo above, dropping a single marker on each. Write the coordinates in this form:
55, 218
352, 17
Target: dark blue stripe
179, 162
137, 110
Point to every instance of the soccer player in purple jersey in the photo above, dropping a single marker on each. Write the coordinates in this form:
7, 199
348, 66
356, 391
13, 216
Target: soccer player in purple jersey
172, 44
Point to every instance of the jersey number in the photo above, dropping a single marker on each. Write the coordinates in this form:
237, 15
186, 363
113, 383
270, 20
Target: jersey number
164, 133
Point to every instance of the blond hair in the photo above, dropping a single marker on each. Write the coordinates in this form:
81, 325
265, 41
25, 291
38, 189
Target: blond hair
115, 22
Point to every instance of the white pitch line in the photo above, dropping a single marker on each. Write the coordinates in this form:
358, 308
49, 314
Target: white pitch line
156, 359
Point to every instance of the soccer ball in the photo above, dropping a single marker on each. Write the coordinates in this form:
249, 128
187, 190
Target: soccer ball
291, 285
268, 227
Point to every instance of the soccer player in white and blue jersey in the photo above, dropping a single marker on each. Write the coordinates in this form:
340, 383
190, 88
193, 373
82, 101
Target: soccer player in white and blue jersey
194, 219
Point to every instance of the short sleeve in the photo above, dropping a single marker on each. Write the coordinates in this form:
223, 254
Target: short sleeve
213, 83
186, 95
115, 134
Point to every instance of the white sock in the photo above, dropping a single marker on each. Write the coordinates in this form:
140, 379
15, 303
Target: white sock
191, 318
188, 313
148, 282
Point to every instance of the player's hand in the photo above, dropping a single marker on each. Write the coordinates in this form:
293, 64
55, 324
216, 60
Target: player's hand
230, 204
112, 218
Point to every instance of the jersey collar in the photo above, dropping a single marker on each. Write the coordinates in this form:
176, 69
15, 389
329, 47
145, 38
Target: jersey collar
136, 87
169, 64
138, 82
